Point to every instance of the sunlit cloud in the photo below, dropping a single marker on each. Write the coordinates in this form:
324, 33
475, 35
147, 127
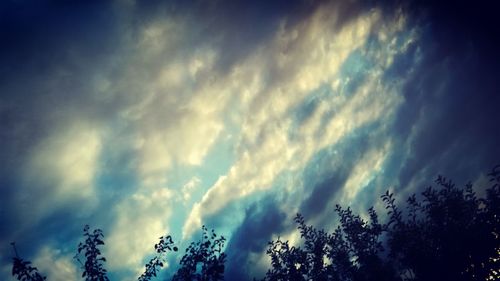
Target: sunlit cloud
140, 220
67, 161
265, 147
55, 265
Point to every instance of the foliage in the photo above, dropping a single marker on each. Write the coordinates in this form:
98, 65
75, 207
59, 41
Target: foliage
93, 268
349, 253
23, 270
444, 234
450, 234
287, 261
204, 260
156, 263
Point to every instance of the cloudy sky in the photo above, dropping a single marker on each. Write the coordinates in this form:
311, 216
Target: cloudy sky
152, 119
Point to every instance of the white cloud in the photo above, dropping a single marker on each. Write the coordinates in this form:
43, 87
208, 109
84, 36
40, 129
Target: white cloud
368, 166
169, 108
55, 265
170, 103
140, 220
188, 133
61, 168
189, 188
303, 57
67, 160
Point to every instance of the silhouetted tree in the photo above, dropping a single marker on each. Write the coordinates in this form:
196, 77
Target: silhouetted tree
204, 260
22, 270
449, 234
287, 262
93, 267
444, 234
361, 240
156, 263
351, 252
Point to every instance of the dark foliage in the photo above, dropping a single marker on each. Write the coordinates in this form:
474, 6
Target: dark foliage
156, 263
450, 234
93, 267
444, 234
22, 270
204, 260
351, 252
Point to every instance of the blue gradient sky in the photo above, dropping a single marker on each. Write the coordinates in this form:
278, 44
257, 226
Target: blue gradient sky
146, 119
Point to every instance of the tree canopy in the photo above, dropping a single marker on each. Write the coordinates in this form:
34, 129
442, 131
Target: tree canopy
443, 233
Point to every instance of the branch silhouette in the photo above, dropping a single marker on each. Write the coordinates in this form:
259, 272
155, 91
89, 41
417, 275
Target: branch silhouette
443, 233
93, 267
204, 260
22, 270
156, 263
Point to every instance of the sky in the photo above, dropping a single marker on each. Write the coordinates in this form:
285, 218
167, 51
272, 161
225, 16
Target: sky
146, 118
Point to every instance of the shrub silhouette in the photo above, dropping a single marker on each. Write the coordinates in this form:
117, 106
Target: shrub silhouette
23, 270
156, 263
448, 235
351, 252
444, 233
93, 267
204, 260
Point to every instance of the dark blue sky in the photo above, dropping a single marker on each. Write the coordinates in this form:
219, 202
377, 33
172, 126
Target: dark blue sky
146, 119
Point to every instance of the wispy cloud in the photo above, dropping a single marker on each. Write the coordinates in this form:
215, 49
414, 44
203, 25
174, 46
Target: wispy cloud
266, 147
